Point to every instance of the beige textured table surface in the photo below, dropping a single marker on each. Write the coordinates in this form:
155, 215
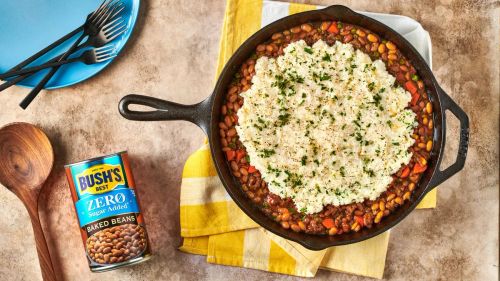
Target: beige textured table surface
172, 56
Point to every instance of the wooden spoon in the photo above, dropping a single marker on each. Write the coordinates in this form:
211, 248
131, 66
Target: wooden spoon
26, 159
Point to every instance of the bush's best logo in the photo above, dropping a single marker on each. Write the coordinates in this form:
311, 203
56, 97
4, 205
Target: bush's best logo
100, 179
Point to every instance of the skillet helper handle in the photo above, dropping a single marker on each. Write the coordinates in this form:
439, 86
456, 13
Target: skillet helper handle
198, 114
448, 104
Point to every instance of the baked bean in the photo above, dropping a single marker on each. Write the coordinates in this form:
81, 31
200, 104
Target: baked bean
381, 205
276, 36
244, 171
306, 27
110, 245
378, 217
228, 122
390, 45
372, 38
348, 38
302, 225
428, 108
231, 132
406, 196
223, 125
332, 231
381, 48
234, 166
429, 146
295, 30
390, 197
325, 25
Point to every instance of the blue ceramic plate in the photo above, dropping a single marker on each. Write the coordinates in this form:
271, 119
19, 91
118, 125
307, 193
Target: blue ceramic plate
27, 26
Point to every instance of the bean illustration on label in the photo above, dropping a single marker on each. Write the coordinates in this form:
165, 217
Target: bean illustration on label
111, 224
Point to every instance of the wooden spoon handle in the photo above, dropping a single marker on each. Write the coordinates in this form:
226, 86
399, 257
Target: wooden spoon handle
48, 273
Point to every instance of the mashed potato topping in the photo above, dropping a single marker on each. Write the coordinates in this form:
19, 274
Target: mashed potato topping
325, 125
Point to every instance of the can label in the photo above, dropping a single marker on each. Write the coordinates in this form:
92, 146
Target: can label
108, 213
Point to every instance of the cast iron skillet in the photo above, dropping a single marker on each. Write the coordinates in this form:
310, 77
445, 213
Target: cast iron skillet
206, 115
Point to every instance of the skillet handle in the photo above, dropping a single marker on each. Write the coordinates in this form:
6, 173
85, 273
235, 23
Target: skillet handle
198, 114
448, 104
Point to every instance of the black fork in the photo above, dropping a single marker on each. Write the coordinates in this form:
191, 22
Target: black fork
92, 56
92, 26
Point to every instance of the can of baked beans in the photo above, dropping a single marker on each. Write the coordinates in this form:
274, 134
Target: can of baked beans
106, 203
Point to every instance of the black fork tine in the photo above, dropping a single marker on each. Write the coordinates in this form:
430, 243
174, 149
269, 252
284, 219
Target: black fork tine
99, 10
108, 12
103, 50
105, 53
102, 13
121, 7
111, 29
108, 25
118, 32
115, 10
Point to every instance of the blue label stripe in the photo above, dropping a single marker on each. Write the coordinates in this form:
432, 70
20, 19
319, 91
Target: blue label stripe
115, 202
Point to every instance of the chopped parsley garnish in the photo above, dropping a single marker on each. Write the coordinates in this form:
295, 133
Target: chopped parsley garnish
283, 119
303, 161
371, 86
342, 171
266, 153
376, 100
324, 77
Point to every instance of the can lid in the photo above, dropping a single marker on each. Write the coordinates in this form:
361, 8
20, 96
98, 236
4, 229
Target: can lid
95, 158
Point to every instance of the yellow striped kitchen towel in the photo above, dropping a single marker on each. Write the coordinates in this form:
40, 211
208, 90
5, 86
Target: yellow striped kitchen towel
213, 225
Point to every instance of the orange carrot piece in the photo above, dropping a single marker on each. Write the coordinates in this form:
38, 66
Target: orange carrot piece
360, 220
406, 172
414, 99
240, 154
417, 169
230, 154
333, 28
411, 87
328, 223
252, 169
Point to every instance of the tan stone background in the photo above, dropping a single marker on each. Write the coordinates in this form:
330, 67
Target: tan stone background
172, 56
